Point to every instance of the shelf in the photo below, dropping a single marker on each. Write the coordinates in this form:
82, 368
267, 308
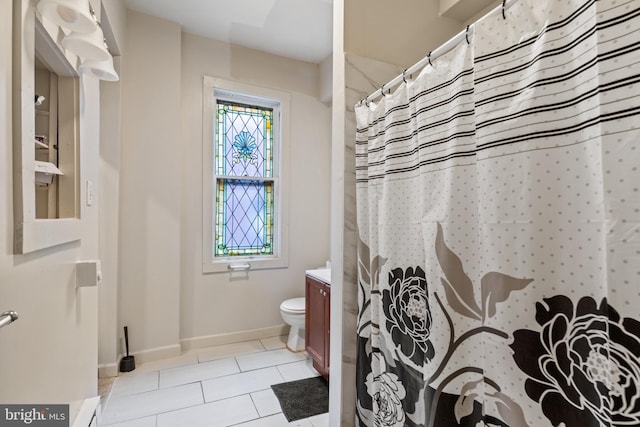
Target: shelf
45, 171
40, 141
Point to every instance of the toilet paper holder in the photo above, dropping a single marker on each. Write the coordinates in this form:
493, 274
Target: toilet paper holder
88, 273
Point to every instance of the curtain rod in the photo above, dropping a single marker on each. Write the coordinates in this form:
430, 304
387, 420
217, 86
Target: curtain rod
444, 48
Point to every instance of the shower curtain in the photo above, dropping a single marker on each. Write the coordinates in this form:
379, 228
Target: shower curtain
498, 210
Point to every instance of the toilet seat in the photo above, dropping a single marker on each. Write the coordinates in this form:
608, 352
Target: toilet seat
293, 305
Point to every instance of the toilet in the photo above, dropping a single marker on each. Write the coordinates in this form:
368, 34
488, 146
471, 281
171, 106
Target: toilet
293, 313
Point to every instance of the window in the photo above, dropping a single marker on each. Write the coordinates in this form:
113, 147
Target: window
244, 179
244, 148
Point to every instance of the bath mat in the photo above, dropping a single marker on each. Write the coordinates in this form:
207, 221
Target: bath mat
303, 398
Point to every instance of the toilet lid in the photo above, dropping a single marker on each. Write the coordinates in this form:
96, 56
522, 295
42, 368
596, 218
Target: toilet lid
295, 305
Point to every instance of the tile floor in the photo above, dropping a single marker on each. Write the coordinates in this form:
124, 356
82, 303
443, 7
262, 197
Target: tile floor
227, 385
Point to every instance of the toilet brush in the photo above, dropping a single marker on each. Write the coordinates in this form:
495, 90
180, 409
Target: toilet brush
127, 363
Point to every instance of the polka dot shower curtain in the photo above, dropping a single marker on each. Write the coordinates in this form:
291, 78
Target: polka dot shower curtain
498, 213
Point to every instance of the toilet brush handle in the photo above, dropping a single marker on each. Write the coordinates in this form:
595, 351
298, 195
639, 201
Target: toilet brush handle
126, 340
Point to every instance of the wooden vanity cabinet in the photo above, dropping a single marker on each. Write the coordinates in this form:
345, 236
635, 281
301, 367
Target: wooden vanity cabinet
318, 297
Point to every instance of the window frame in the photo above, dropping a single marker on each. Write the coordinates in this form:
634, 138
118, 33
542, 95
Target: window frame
227, 90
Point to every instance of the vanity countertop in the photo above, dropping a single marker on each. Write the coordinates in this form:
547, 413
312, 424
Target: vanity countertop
322, 274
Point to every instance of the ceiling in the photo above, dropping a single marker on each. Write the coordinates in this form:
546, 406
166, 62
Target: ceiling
299, 29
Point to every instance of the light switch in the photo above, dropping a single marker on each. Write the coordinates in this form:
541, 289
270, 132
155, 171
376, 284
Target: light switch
89, 193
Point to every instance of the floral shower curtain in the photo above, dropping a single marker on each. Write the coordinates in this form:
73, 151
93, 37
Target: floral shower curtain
499, 221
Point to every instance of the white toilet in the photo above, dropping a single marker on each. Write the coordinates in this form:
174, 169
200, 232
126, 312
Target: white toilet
292, 312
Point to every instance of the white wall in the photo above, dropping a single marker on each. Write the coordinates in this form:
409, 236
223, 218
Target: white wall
341, 387
50, 353
212, 304
150, 185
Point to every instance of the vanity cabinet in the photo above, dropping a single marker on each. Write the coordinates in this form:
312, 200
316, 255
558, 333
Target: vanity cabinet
318, 297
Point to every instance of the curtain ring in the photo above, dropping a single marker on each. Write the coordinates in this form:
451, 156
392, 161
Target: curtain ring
429, 59
382, 90
504, 2
404, 79
466, 35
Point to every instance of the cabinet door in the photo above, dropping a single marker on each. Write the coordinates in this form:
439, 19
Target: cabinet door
315, 324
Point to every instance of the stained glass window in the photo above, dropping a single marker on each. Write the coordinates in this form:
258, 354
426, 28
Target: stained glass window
244, 217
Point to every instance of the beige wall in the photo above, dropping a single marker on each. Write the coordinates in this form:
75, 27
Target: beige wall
399, 34
326, 80
213, 304
164, 297
109, 191
404, 34
150, 186
466, 10
50, 353
116, 17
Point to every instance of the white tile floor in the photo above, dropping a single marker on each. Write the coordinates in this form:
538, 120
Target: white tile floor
227, 385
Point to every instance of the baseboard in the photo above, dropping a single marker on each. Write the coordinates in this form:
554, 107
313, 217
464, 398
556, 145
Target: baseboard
143, 356
158, 353
233, 337
108, 370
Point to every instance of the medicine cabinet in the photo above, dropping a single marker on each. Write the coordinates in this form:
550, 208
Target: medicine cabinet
46, 133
